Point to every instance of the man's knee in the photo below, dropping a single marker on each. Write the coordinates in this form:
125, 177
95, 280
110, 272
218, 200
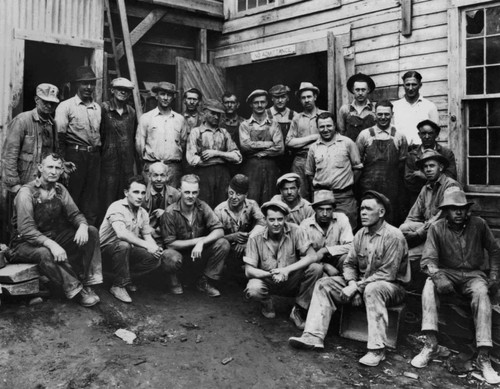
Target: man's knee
222, 245
315, 270
44, 256
93, 233
122, 247
373, 290
255, 289
171, 260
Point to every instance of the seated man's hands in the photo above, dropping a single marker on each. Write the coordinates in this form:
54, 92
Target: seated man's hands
82, 235
348, 292
357, 300
279, 275
57, 252
197, 250
442, 283
239, 248
154, 249
241, 237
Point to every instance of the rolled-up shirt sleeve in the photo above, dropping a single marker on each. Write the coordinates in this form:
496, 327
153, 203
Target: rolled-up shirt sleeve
252, 252
167, 227
26, 225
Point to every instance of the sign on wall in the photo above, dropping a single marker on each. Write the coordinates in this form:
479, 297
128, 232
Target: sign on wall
274, 52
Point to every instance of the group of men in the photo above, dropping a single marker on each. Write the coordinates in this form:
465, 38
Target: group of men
273, 198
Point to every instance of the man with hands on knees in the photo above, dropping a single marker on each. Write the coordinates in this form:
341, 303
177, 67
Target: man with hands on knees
280, 260
51, 232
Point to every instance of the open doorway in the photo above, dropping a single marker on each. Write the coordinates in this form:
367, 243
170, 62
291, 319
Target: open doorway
51, 63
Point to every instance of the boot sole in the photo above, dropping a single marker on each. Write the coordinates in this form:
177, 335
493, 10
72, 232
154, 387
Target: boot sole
295, 343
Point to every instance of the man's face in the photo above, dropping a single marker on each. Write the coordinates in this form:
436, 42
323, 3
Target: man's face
308, 100
50, 169
412, 86
191, 101
234, 198
259, 104
428, 136
290, 191
324, 214
164, 99
432, 169
121, 94
275, 221
280, 101
457, 215
44, 107
231, 104
135, 194
158, 178
326, 128
371, 212
85, 89
212, 117
360, 90
189, 192
383, 117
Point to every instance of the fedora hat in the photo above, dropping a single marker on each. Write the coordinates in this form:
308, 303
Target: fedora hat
454, 196
307, 86
431, 154
323, 197
360, 77
165, 86
84, 73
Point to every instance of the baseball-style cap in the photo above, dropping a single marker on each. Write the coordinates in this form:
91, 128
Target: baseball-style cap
47, 92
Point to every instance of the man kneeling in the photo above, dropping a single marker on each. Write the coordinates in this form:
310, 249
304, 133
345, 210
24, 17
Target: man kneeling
53, 233
374, 270
280, 260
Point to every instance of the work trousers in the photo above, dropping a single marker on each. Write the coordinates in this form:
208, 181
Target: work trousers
124, 259
84, 260
210, 264
345, 202
262, 174
300, 284
471, 284
214, 181
299, 167
377, 296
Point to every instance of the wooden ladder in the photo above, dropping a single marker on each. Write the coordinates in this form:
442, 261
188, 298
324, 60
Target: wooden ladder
111, 62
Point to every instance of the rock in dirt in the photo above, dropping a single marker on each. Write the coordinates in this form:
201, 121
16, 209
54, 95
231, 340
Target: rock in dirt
410, 375
225, 361
126, 335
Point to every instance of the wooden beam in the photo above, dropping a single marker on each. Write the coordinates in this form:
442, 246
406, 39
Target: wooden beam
331, 70
208, 7
202, 48
406, 15
37, 36
113, 44
130, 56
97, 63
141, 29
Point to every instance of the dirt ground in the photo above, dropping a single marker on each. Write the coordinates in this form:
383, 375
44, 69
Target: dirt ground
181, 343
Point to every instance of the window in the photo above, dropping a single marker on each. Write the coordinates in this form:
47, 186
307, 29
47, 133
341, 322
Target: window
249, 7
482, 95
245, 5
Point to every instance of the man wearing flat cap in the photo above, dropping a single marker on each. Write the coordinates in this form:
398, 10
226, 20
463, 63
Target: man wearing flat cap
289, 186
304, 132
192, 99
374, 272
415, 179
329, 231
262, 146
239, 216
162, 134
118, 125
280, 260
360, 114
453, 258
210, 149
78, 121
284, 116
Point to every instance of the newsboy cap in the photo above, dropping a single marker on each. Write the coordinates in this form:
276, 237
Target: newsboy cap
256, 93
279, 90
164, 86
122, 82
288, 177
275, 203
47, 92
214, 105
372, 194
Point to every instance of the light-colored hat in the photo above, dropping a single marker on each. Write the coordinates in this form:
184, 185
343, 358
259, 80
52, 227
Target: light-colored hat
431, 154
279, 90
47, 92
122, 82
256, 93
165, 86
454, 196
307, 86
323, 197
279, 204
214, 106
288, 177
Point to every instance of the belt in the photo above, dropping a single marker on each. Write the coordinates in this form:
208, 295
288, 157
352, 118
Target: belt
88, 149
346, 189
164, 161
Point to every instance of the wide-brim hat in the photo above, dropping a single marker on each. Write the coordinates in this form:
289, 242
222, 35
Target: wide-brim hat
431, 154
256, 93
165, 86
454, 196
275, 203
323, 197
288, 177
279, 90
84, 73
214, 106
380, 197
122, 82
307, 86
360, 77
47, 92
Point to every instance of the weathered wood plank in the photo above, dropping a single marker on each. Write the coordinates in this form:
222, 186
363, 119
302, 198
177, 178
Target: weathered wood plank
388, 57
22, 288
406, 16
13, 273
161, 55
425, 61
208, 7
377, 43
58, 39
376, 30
331, 70
426, 47
202, 51
429, 7
425, 34
425, 21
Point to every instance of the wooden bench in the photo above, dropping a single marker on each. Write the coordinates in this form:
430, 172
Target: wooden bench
19, 279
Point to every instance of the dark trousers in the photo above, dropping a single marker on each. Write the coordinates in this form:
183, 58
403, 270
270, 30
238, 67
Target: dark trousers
85, 259
84, 182
262, 174
214, 181
124, 259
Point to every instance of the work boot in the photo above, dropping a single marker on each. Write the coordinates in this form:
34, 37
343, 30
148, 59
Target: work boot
484, 364
120, 293
297, 318
306, 342
132, 288
175, 286
87, 297
373, 357
204, 286
267, 308
429, 352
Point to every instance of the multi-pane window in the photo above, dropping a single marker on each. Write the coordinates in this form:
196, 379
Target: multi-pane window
482, 95
246, 5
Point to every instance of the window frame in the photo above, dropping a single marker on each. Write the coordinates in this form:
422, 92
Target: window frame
233, 7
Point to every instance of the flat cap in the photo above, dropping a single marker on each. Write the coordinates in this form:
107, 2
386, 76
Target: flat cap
239, 183
278, 90
307, 86
372, 194
288, 177
431, 124
194, 90
47, 92
323, 197
360, 77
122, 82
256, 93
165, 86
431, 154
213, 105
278, 204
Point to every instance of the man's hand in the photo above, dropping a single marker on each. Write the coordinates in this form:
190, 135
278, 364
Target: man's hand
207, 154
197, 250
239, 248
442, 283
493, 286
69, 167
321, 253
158, 212
348, 292
357, 300
431, 269
82, 235
154, 249
58, 252
279, 274
241, 237
15, 188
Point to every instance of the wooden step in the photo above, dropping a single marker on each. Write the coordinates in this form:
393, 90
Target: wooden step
22, 288
18, 272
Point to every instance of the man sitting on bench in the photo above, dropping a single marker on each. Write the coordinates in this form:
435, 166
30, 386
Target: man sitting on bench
374, 270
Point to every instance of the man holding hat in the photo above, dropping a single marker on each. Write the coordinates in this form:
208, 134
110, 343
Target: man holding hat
373, 274
284, 116
329, 232
192, 99
238, 216
415, 179
162, 134
78, 121
210, 149
360, 114
118, 125
289, 186
303, 132
453, 257
262, 145
280, 260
